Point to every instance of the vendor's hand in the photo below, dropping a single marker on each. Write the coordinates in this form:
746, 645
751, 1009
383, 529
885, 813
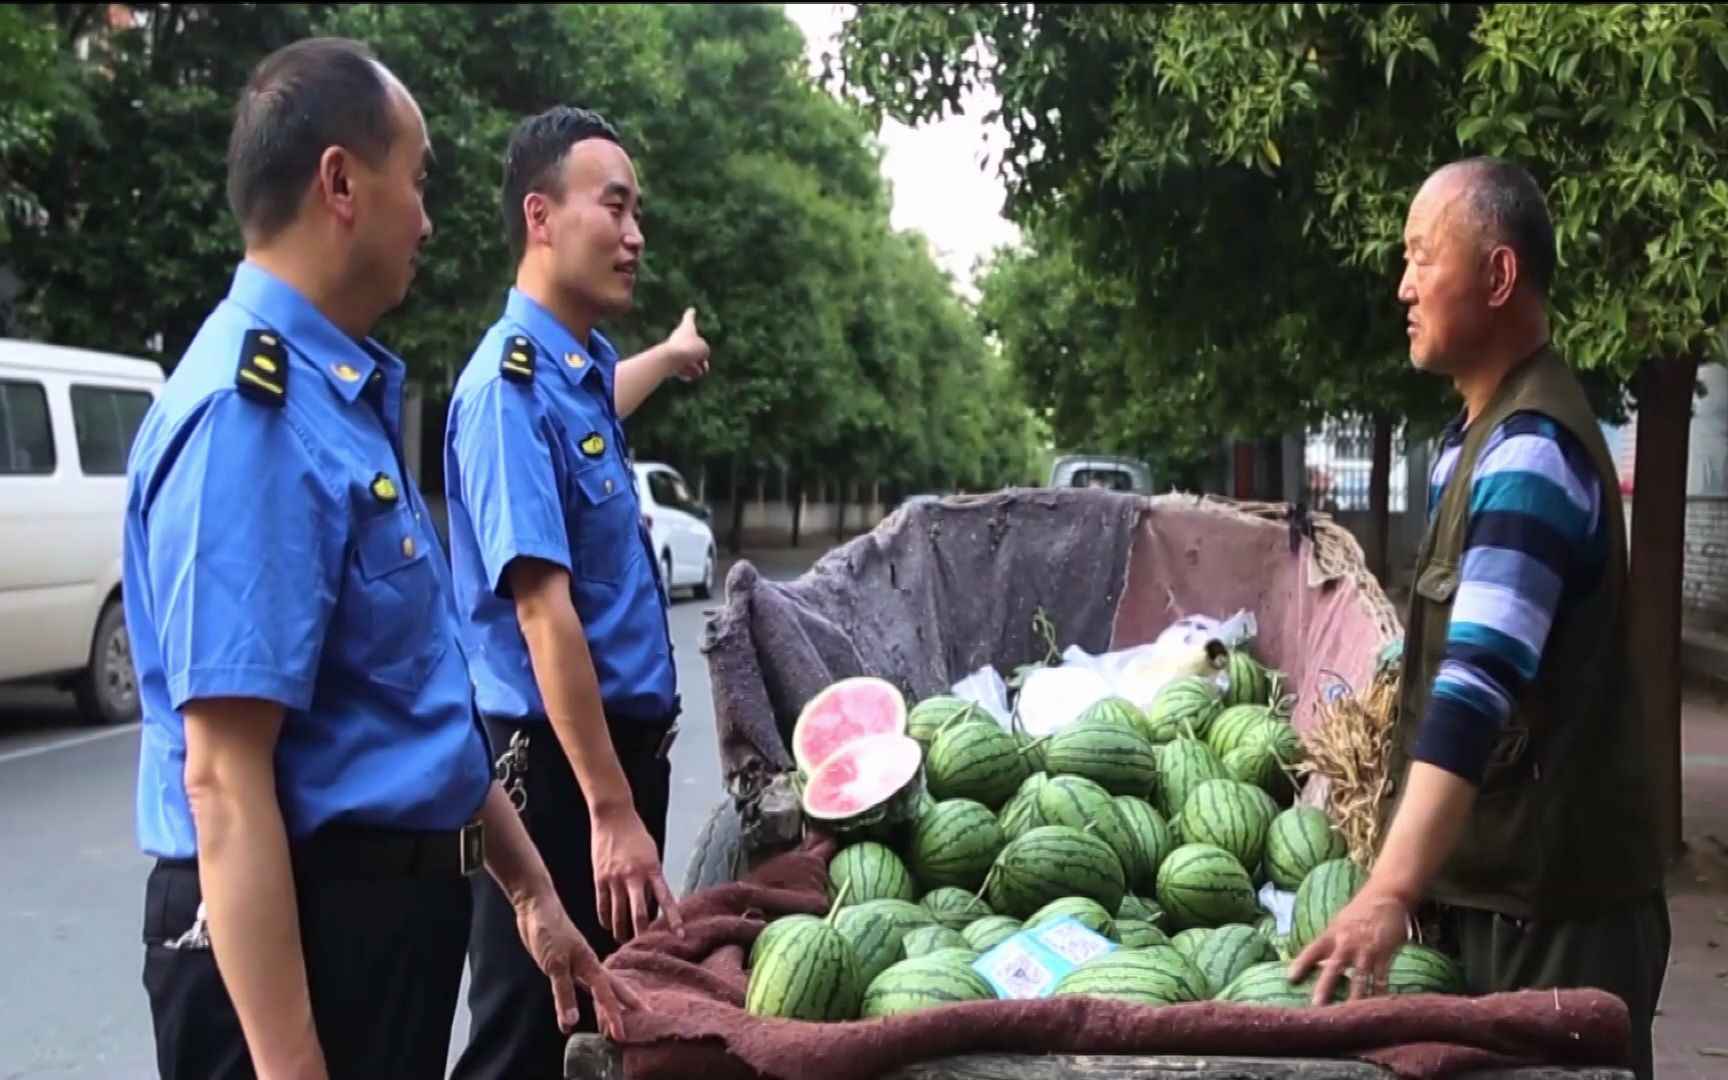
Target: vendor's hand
1362, 937
565, 956
688, 352
627, 876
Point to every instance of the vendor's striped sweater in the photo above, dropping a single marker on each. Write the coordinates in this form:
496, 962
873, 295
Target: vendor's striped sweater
1534, 537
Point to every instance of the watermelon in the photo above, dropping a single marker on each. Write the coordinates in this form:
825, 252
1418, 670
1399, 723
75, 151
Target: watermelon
875, 934
926, 982
1188, 942
977, 761
1116, 757
1250, 682
1423, 969
1113, 712
990, 931
773, 930
1049, 863
1185, 706
928, 939
1152, 976
866, 774
1237, 725
1138, 835
843, 713
806, 971
1231, 815
954, 844
1202, 885
869, 871
1088, 913
1268, 983
1183, 765
1020, 812
935, 713
1136, 907
1072, 801
954, 908
1321, 896
1227, 952
1298, 840
1139, 934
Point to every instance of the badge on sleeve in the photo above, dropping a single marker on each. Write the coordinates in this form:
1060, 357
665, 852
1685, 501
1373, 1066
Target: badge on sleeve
262, 372
518, 362
593, 446
383, 488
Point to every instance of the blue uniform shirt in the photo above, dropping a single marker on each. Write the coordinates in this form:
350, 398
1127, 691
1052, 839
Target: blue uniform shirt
280, 551
535, 465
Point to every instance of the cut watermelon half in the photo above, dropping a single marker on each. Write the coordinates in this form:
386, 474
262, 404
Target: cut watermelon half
861, 776
842, 713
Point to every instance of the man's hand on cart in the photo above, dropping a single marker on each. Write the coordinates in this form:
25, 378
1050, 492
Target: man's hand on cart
568, 960
1361, 940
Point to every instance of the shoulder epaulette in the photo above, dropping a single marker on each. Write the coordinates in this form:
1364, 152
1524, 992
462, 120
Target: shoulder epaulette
518, 362
262, 374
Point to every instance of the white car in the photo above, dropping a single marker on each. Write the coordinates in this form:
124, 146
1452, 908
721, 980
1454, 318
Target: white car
67, 420
678, 524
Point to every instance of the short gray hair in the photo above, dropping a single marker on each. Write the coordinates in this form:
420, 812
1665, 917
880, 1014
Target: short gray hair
1507, 205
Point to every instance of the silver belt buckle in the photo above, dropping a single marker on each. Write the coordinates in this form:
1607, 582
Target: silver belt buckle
473, 848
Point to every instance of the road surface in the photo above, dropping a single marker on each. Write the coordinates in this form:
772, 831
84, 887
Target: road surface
72, 879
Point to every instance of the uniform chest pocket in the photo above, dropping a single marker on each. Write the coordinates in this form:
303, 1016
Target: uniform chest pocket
604, 538
393, 603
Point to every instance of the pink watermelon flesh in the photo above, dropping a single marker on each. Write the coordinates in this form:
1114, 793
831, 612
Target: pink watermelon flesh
844, 712
861, 776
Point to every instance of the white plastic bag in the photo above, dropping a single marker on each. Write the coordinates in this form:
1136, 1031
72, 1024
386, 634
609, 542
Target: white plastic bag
987, 688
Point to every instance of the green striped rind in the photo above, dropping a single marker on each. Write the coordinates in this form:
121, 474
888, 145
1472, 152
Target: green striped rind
1227, 952
1237, 725
1139, 934
1118, 759
876, 873
1298, 840
954, 908
903, 914
1153, 976
928, 982
957, 954
806, 972
992, 930
1269, 984
1071, 801
1188, 941
1087, 913
1231, 815
1116, 712
784, 924
1322, 894
1185, 706
1049, 863
1266, 926
1259, 766
1138, 907
1204, 885
874, 934
954, 844
1250, 681
935, 713
1138, 835
975, 760
1423, 969
1021, 812
928, 939
1183, 765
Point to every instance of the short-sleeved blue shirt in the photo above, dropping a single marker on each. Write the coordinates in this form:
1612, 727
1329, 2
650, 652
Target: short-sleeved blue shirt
280, 550
536, 466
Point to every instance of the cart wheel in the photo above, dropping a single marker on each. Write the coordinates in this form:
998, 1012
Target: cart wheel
717, 858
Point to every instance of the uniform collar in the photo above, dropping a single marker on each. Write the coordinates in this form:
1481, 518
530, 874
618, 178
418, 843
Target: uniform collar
346, 363
567, 354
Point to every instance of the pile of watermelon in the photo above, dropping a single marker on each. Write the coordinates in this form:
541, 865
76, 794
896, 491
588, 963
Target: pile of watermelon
1155, 828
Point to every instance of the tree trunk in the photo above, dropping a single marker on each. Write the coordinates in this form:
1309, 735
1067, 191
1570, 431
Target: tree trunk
735, 539
845, 489
1273, 462
797, 510
1664, 390
1380, 499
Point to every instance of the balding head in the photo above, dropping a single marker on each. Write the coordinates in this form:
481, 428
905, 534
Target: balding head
1503, 206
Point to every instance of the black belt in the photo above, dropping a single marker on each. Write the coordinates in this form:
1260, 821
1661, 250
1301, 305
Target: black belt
368, 851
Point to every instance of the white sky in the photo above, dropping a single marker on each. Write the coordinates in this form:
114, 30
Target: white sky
937, 172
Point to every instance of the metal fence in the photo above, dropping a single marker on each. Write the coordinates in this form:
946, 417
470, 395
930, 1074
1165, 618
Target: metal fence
1338, 461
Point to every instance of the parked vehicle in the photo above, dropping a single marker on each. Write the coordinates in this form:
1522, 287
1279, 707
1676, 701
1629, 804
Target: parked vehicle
67, 420
1106, 471
678, 523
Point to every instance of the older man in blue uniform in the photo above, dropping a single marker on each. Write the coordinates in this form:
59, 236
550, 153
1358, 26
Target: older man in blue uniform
313, 782
555, 576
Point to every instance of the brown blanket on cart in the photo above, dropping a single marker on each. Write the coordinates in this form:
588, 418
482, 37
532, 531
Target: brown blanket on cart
694, 1024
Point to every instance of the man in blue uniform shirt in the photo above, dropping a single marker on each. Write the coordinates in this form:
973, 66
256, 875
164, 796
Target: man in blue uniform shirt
313, 782
555, 579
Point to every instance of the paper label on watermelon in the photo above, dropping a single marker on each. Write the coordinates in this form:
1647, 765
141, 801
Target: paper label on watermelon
1029, 964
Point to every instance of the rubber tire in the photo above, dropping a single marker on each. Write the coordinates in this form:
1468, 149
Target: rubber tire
705, 589
95, 703
717, 857
666, 577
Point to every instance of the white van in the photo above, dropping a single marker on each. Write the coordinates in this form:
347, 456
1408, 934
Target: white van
67, 420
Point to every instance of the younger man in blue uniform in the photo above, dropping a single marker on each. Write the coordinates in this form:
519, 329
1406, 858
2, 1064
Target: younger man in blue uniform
313, 782
554, 575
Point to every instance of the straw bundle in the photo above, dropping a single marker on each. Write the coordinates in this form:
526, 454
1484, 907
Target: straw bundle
1349, 748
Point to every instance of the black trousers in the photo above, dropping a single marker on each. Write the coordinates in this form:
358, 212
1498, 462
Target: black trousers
514, 1032
1624, 951
384, 922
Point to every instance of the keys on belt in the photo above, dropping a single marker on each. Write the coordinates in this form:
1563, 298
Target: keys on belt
512, 770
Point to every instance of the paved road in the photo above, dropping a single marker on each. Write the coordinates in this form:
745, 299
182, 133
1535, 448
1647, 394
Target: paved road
71, 878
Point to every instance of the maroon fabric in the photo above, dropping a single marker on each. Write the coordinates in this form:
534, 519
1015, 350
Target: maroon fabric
694, 1023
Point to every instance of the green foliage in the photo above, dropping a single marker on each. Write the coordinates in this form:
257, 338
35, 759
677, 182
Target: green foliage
838, 346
